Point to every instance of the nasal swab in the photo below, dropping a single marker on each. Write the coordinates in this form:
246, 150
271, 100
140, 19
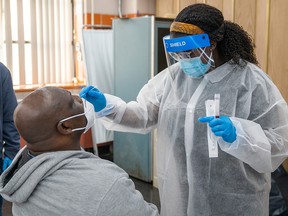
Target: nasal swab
217, 105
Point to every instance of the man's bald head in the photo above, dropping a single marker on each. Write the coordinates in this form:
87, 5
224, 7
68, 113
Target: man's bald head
38, 115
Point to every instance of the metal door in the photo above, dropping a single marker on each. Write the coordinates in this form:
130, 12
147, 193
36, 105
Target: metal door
133, 54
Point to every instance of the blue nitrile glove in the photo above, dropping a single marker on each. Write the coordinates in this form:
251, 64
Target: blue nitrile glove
6, 163
94, 96
221, 126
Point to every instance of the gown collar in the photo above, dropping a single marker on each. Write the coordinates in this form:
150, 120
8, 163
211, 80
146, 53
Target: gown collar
220, 72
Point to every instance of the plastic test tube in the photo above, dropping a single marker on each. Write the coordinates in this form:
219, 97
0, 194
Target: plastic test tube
217, 105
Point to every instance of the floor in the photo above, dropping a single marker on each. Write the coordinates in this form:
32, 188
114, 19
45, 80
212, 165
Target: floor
150, 193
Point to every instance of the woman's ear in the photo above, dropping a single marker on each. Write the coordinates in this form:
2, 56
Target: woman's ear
63, 128
213, 46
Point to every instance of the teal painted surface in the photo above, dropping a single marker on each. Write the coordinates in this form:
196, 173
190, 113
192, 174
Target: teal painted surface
133, 40
132, 66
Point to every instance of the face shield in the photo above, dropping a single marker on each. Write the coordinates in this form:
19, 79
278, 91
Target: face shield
191, 51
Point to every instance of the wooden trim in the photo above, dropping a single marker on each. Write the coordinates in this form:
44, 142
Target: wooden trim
285, 165
105, 144
29, 88
106, 19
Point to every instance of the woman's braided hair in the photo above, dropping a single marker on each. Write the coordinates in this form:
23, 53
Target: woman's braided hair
233, 42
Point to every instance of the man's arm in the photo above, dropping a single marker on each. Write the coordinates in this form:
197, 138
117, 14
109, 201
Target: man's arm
124, 199
11, 137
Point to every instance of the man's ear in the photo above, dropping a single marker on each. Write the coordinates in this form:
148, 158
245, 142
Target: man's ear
63, 128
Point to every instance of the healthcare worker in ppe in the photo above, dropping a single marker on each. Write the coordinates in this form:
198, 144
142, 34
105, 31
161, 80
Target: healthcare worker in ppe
207, 55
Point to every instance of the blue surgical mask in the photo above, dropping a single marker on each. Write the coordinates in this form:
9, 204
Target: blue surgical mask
194, 67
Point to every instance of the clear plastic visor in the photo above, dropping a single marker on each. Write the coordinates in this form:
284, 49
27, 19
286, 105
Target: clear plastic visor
187, 47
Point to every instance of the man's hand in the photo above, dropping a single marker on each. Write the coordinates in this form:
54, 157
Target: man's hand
6, 163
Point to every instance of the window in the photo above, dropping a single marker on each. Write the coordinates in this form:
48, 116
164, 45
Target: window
36, 41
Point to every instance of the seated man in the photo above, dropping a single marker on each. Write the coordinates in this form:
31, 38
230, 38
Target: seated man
51, 175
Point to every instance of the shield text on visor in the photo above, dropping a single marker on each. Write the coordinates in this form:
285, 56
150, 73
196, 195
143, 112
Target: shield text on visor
185, 47
186, 43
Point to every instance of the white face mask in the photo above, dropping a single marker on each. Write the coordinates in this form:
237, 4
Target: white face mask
89, 114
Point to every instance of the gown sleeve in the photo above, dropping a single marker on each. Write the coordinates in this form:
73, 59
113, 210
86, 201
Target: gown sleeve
139, 116
262, 139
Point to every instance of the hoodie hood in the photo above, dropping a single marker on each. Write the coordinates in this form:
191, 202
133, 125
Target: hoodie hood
22, 183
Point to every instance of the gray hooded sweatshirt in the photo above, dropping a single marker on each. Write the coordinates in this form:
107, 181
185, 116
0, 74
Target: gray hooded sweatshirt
70, 183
